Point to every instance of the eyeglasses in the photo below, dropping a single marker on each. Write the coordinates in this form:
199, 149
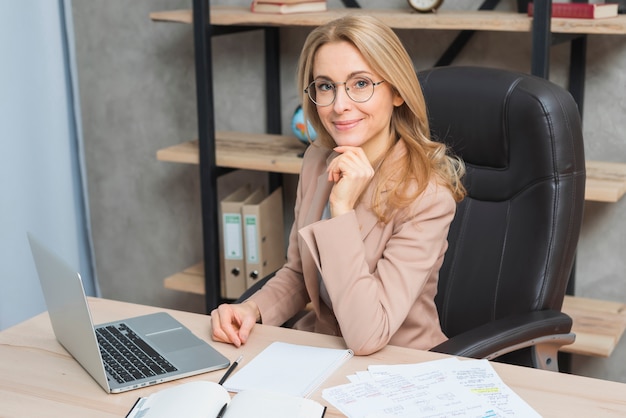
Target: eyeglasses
359, 89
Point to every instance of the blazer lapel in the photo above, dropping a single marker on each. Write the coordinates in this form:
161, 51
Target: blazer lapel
320, 199
314, 214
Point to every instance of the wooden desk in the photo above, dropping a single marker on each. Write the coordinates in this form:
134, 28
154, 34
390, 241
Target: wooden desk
39, 379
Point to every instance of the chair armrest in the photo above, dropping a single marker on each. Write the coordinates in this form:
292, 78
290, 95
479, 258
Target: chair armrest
254, 288
508, 334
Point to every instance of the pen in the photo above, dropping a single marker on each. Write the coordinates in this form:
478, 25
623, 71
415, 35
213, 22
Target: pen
222, 411
230, 370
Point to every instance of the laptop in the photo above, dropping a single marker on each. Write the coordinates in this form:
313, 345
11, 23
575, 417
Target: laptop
121, 355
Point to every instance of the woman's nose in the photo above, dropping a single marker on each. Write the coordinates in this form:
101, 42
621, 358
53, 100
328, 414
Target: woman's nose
342, 100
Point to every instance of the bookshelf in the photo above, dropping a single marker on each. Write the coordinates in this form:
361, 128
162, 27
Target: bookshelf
239, 150
481, 20
606, 182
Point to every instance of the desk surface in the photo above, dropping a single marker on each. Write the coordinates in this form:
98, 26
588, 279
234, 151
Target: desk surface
38, 377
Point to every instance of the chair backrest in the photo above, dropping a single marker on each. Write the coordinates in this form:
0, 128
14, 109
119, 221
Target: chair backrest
513, 241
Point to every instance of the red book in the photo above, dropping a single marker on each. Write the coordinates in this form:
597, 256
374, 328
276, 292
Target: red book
581, 10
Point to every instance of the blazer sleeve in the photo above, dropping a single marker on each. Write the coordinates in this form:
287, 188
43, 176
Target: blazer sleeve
285, 294
370, 306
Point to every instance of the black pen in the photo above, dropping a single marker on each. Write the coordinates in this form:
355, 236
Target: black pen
230, 370
222, 411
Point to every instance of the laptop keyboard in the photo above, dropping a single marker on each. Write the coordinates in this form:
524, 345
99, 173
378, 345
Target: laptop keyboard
127, 357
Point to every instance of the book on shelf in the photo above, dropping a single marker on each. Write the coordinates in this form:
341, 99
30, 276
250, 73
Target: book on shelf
288, 7
581, 10
203, 399
578, 1
283, 1
263, 234
232, 265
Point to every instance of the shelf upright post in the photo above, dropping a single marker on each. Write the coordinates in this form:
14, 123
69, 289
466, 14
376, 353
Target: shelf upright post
577, 74
541, 38
272, 95
577, 70
206, 148
272, 80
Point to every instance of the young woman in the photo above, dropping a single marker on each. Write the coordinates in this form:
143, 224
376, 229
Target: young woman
374, 202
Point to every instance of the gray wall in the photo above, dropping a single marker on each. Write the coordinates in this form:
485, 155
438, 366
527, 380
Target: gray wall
137, 91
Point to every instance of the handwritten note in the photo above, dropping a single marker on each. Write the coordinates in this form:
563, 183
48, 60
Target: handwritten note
436, 389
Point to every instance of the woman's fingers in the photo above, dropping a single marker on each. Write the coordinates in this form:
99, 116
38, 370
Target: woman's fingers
225, 323
351, 172
352, 163
232, 323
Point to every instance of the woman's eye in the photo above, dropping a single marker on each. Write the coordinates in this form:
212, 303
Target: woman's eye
324, 86
361, 83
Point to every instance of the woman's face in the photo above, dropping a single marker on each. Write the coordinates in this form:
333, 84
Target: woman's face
350, 123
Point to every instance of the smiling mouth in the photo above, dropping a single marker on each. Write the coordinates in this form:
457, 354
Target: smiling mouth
344, 125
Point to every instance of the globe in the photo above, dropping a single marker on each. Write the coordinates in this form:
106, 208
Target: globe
297, 126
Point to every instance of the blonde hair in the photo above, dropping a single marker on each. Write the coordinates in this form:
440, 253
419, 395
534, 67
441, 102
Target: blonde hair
384, 52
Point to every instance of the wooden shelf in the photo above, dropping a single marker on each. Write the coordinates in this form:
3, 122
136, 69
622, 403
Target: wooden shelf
483, 20
606, 182
262, 152
598, 325
190, 280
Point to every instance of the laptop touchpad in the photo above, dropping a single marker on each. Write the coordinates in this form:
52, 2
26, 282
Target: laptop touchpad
176, 339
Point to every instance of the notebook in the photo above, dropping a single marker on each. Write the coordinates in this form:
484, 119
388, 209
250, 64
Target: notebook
290, 369
146, 350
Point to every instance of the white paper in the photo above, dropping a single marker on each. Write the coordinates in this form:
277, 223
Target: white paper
233, 239
481, 379
190, 400
433, 389
288, 368
251, 227
264, 404
203, 399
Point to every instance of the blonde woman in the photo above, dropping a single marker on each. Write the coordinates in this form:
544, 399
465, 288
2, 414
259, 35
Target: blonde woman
374, 202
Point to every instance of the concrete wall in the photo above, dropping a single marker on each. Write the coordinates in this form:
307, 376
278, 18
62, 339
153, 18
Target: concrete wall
137, 88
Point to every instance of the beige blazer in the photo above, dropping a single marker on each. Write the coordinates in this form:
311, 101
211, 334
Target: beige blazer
381, 278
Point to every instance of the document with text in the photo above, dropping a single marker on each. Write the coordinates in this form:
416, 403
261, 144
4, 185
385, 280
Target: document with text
436, 389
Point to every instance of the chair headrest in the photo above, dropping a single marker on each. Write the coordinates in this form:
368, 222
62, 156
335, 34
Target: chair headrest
505, 104
501, 120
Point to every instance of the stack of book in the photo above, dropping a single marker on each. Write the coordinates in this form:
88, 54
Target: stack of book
590, 10
287, 6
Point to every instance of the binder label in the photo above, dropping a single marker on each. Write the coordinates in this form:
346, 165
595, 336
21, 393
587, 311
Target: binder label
252, 250
233, 245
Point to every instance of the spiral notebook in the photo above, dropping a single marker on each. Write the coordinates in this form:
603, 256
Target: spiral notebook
286, 368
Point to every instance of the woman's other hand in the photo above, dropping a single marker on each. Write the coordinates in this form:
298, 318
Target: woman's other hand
232, 323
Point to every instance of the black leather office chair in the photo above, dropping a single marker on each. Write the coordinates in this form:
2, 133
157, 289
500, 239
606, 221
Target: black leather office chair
513, 240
